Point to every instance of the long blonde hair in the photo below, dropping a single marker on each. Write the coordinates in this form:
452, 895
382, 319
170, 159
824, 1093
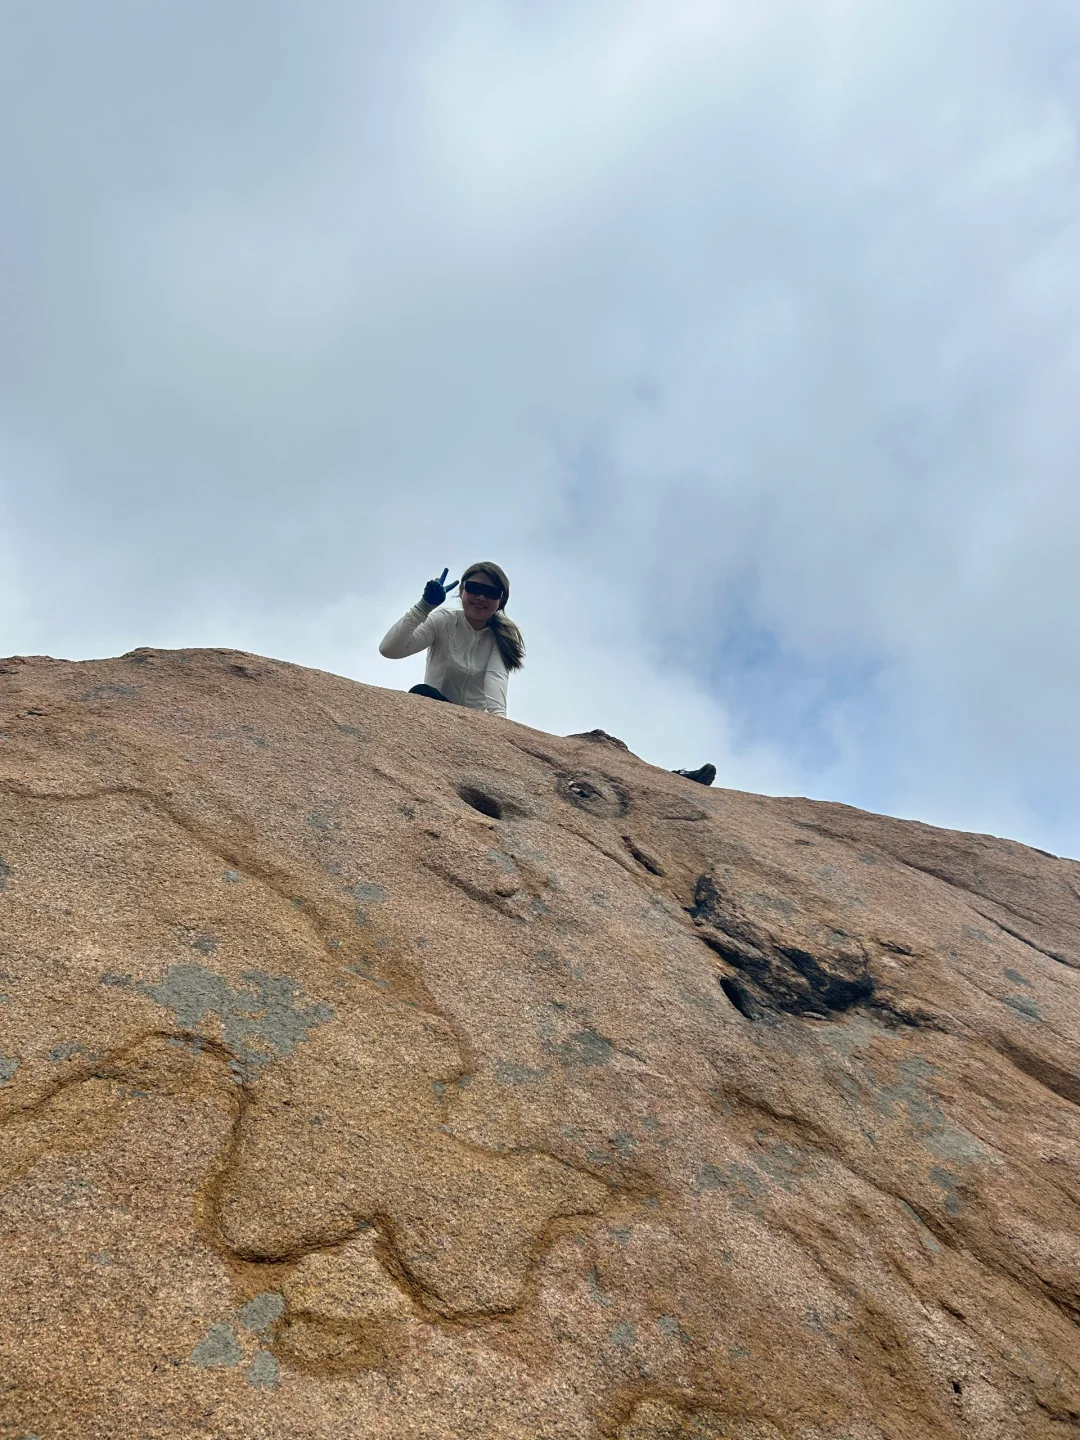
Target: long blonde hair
507, 635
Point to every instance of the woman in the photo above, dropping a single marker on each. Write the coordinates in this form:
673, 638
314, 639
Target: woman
471, 651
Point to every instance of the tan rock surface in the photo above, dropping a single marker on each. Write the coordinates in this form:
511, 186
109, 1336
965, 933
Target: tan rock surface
373, 1068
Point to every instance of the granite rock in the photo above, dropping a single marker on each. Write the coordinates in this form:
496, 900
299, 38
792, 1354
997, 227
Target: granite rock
375, 1068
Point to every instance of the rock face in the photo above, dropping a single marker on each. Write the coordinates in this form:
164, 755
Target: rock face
374, 1068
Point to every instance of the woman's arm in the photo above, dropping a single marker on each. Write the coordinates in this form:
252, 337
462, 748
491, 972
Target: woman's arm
495, 678
415, 631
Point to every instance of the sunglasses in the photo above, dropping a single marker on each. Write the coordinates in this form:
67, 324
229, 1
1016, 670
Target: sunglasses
477, 587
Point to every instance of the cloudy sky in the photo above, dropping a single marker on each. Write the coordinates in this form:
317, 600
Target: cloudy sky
745, 337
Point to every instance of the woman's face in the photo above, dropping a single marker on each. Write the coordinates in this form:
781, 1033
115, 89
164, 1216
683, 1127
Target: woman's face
478, 608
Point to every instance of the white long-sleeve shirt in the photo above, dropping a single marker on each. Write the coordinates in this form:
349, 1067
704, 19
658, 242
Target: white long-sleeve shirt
465, 664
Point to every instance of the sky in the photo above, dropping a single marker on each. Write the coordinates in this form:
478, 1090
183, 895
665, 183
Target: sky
746, 338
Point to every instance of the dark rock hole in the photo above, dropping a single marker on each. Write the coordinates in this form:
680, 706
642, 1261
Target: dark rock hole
486, 804
734, 993
956, 1387
583, 790
646, 861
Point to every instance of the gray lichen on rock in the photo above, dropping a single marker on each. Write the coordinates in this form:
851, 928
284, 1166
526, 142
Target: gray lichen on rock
262, 1373
262, 1311
258, 1024
220, 1348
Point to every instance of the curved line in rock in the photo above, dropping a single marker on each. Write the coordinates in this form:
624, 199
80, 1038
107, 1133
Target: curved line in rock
275, 880
108, 1067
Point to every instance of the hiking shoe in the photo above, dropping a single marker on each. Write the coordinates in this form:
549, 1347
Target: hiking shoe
705, 776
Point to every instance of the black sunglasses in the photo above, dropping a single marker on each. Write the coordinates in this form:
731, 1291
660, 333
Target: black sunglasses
477, 587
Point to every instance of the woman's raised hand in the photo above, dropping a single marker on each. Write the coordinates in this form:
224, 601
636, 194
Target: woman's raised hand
436, 591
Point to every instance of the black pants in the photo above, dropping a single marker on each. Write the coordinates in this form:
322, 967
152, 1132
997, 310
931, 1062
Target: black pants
430, 693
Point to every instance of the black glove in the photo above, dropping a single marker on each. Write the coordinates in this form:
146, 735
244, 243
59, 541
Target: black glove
436, 591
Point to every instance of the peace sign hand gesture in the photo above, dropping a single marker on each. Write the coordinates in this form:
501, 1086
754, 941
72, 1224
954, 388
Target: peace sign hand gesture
436, 591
